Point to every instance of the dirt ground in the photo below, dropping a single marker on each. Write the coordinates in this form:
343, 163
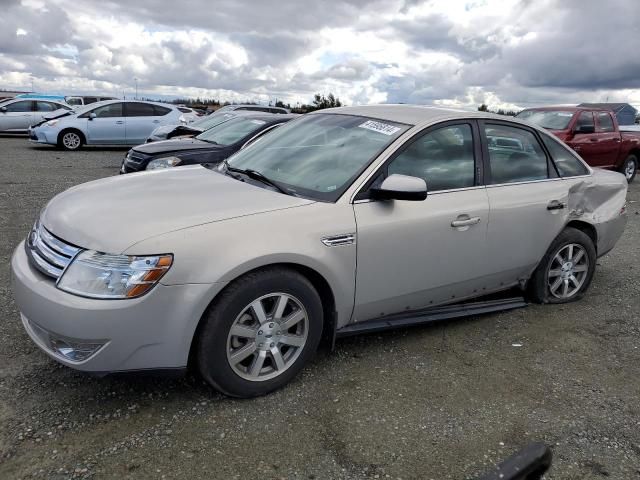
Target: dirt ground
445, 401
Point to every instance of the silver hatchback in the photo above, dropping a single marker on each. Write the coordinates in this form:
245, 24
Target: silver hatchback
342, 221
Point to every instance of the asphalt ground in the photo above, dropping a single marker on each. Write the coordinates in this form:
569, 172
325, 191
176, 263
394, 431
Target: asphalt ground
445, 401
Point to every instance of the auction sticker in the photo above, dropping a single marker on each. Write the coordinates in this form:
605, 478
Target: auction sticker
380, 127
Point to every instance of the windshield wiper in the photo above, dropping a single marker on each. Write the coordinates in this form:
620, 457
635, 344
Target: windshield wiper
256, 175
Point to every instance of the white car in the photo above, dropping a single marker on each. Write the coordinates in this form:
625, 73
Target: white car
17, 115
112, 122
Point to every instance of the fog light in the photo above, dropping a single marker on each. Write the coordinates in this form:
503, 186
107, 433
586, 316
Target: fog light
69, 349
74, 351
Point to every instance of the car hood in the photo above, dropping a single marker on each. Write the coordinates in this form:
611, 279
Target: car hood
175, 145
111, 214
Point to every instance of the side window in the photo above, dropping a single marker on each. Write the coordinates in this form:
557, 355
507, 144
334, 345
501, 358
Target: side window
160, 111
46, 107
111, 110
514, 155
605, 124
443, 158
24, 106
585, 119
136, 109
566, 163
88, 100
74, 101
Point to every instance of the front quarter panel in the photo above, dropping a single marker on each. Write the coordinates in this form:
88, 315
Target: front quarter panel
222, 251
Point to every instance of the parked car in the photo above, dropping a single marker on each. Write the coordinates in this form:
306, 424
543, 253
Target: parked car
342, 221
251, 108
209, 148
16, 115
112, 122
593, 133
189, 115
167, 132
86, 99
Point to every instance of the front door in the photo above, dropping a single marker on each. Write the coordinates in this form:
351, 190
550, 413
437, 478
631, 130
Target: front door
413, 255
529, 203
608, 140
18, 116
108, 125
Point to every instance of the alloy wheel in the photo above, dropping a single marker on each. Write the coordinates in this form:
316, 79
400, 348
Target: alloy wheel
71, 140
629, 169
568, 271
267, 337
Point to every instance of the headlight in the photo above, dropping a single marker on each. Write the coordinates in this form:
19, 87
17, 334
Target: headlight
164, 162
51, 123
100, 275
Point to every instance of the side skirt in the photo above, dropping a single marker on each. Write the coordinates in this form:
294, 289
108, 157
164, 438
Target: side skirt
431, 315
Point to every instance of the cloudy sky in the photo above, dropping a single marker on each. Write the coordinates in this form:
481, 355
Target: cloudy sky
506, 53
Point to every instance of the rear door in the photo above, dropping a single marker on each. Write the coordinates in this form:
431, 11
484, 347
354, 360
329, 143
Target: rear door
108, 127
142, 119
608, 144
527, 199
18, 116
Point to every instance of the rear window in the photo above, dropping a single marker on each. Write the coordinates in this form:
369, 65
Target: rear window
160, 111
605, 122
515, 155
184, 110
551, 119
566, 163
135, 109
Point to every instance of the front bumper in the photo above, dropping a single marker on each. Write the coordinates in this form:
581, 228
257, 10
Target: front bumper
151, 332
39, 135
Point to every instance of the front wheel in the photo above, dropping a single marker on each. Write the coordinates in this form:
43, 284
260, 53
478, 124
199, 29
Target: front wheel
629, 168
566, 270
260, 333
70, 140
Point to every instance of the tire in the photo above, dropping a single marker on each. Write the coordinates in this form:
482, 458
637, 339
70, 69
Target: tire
629, 168
243, 362
70, 139
543, 286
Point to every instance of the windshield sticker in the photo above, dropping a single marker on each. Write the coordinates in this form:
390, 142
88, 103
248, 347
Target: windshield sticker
258, 122
379, 127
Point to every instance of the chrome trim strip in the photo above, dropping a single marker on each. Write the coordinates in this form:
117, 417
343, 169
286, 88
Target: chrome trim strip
59, 245
44, 266
48, 254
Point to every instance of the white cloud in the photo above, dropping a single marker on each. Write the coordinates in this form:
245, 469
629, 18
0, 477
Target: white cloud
507, 53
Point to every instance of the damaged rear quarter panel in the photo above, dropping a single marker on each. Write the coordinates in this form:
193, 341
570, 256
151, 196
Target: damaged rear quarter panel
598, 200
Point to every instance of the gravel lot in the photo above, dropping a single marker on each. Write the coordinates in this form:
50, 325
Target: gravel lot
438, 402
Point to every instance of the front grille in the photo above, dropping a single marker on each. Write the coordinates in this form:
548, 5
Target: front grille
136, 158
48, 253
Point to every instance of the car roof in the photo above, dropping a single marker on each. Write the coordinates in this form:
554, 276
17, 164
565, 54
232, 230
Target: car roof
268, 117
413, 114
566, 108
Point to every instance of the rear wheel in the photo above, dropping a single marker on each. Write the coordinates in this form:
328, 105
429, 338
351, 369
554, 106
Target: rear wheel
629, 168
566, 270
260, 333
70, 140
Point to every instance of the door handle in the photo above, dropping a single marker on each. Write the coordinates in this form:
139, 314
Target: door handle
465, 222
156, 121
555, 205
119, 122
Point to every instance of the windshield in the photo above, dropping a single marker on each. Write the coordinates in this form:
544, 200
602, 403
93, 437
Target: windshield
319, 156
551, 119
231, 131
208, 122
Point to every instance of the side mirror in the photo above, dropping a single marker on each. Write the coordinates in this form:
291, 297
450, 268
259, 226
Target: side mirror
3, 109
92, 116
585, 129
401, 187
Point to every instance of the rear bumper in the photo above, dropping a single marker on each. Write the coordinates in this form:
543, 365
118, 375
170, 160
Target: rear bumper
154, 331
609, 233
